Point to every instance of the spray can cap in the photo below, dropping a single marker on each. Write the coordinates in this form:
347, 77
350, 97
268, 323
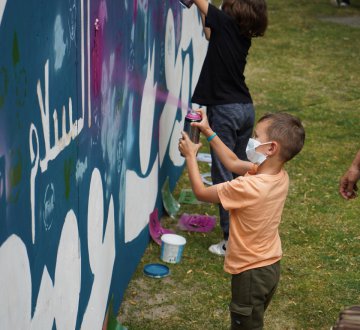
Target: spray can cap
193, 115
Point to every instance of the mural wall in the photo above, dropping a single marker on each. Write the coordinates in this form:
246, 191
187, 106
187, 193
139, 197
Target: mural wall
93, 95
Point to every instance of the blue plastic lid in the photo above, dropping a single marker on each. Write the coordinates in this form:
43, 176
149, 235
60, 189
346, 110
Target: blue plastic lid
156, 270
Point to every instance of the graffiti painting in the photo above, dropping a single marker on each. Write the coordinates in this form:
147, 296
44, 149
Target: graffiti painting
93, 95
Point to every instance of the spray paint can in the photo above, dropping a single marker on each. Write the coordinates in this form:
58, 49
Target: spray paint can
192, 131
187, 3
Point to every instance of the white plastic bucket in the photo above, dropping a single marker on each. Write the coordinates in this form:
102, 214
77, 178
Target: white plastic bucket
172, 247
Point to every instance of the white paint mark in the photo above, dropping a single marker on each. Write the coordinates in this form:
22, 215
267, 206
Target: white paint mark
140, 198
2, 8
101, 253
49, 206
81, 168
59, 44
15, 284
147, 114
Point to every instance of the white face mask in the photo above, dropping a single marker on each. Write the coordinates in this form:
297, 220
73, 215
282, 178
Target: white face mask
251, 153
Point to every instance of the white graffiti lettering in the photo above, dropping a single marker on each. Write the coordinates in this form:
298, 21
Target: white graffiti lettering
179, 80
75, 127
2, 8
175, 66
58, 299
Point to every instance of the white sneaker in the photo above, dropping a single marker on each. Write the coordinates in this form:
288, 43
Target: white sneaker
219, 248
340, 3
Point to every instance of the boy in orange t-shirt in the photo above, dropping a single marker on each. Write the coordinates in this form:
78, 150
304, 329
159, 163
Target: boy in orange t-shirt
255, 202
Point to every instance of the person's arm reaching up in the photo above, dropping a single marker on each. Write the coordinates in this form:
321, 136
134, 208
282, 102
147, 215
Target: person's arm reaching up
207, 30
227, 157
202, 193
203, 7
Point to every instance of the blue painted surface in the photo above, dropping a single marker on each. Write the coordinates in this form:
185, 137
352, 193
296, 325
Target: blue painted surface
93, 96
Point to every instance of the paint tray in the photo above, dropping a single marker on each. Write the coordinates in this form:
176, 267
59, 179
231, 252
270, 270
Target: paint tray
197, 222
170, 203
187, 197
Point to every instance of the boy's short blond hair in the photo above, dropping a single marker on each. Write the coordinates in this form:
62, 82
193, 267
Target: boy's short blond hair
287, 130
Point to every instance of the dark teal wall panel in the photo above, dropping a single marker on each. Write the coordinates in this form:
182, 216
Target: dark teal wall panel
93, 96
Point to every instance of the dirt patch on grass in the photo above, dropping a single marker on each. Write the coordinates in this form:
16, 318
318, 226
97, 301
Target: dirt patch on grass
353, 21
146, 297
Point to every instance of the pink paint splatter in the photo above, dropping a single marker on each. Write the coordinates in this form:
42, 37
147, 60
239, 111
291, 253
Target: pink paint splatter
97, 51
103, 15
171, 99
96, 58
135, 10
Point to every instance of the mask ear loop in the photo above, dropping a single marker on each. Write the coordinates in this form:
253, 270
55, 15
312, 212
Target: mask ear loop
262, 144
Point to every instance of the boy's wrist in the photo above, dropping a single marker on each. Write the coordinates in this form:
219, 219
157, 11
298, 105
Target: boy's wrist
211, 137
208, 132
190, 156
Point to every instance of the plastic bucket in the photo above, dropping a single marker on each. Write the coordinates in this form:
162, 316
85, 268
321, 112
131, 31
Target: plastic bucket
172, 247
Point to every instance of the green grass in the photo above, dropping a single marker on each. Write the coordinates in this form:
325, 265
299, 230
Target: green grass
310, 68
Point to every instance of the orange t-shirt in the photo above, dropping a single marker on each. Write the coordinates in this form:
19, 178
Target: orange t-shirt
255, 203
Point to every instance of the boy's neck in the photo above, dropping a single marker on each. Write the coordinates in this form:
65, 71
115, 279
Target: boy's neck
270, 167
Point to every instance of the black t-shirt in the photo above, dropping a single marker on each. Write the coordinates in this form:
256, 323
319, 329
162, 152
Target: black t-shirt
222, 78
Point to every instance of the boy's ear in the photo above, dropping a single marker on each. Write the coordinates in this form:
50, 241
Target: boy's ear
273, 148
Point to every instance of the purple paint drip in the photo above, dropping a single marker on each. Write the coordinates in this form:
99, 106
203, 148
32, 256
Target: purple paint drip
135, 10
97, 59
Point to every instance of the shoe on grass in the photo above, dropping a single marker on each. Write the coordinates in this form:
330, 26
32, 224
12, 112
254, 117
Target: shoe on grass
340, 3
219, 248
335, 3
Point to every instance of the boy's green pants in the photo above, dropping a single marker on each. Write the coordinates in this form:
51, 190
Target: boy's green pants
251, 293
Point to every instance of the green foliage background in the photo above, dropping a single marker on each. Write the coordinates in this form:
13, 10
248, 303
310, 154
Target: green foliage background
309, 67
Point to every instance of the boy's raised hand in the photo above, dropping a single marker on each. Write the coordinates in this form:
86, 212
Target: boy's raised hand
203, 125
187, 147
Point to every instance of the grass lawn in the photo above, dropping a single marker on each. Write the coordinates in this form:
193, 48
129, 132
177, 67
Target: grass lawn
310, 67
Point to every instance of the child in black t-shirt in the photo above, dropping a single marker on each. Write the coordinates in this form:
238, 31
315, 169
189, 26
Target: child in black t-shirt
221, 86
